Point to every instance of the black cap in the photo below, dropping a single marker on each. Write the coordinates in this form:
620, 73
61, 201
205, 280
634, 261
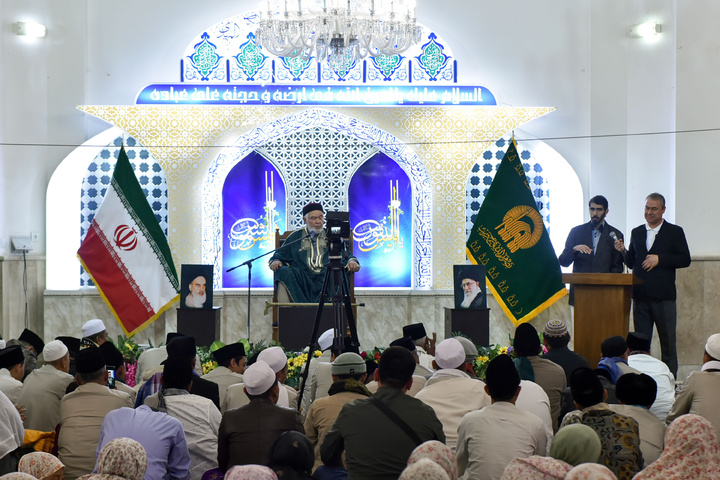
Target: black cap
416, 331
613, 347
11, 356
89, 360
526, 342
228, 352
405, 342
72, 344
637, 341
177, 374
471, 273
171, 335
113, 357
33, 339
586, 388
181, 347
502, 378
311, 207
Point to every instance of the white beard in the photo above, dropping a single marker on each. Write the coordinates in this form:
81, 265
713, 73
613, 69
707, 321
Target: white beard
195, 301
469, 297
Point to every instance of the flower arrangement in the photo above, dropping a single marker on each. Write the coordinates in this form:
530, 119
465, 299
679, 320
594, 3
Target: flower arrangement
373, 354
296, 363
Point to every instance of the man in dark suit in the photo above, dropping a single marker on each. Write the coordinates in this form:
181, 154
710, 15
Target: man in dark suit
589, 247
656, 250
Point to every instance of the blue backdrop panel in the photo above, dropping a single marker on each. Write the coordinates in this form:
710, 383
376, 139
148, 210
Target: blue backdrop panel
380, 201
253, 206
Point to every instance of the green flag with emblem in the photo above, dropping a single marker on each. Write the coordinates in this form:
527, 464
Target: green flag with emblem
510, 239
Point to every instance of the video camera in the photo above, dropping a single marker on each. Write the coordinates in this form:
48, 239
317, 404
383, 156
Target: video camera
338, 230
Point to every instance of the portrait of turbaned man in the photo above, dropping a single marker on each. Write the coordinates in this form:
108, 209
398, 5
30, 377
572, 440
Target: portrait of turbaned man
470, 286
196, 286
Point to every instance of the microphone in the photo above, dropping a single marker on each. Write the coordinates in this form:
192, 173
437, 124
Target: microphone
615, 239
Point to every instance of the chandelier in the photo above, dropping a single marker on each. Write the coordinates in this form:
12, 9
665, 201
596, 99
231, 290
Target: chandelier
339, 31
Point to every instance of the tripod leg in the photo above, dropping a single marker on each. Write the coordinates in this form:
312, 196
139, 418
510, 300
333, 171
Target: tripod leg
314, 337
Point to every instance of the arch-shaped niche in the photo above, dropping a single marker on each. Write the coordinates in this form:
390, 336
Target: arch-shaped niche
71, 204
366, 136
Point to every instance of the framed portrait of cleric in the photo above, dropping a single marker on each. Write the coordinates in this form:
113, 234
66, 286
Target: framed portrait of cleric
469, 286
196, 286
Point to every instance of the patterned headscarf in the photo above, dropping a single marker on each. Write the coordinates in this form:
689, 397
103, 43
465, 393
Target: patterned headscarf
439, 453
17, 476
250, 472
576, 444
536, 468
590, 471
691, 451
424, 469
40, 464
122, 458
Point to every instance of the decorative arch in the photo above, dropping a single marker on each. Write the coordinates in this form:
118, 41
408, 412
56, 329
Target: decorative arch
335, 122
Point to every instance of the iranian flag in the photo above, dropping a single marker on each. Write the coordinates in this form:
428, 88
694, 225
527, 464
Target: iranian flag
126, 254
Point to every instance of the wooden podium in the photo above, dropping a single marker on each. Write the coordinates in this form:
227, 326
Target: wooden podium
602, 309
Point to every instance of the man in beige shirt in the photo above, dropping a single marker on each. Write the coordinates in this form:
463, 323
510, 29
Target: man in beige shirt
275, 357
82, 413
348, 374
636, 393
231, 366
45, 387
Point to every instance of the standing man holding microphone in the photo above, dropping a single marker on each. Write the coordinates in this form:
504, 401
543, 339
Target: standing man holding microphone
657, 249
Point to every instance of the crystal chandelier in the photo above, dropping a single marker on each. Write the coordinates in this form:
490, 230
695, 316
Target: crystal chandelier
339, 31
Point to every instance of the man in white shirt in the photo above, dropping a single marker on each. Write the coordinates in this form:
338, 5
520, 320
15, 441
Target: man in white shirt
450, 391
199, 416
641, 360
12, 371
231, 365
12, 434
489, 439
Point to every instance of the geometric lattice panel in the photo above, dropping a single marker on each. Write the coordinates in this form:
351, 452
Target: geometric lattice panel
97, 178
484, 171
316, 165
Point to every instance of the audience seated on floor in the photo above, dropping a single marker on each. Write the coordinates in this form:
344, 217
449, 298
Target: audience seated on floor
618, 434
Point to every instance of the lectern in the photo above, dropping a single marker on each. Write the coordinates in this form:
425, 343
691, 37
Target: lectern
602, 309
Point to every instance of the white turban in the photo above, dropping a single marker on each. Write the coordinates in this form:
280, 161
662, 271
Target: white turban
54, 350
275, 357
92, 327
258, 378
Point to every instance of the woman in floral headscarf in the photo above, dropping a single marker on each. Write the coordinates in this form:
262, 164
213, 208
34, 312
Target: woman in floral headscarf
424, 469
439, 453
17, 476
691, 451
121, 459
250, 472
590, 471
42, 466
536, 468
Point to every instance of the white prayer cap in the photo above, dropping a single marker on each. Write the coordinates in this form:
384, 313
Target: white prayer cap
2, 344
275, 357
326, 339
92, 327
449, 353
54, 350
712, 347
258, 378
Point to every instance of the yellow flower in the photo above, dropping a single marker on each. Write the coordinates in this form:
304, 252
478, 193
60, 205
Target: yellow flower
318, 353
503, 350
482, 359
128, 346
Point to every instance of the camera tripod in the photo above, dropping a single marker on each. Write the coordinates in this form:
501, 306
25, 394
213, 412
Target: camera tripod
335, 286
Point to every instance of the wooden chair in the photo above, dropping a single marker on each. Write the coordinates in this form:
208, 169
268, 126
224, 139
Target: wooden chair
279, 241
